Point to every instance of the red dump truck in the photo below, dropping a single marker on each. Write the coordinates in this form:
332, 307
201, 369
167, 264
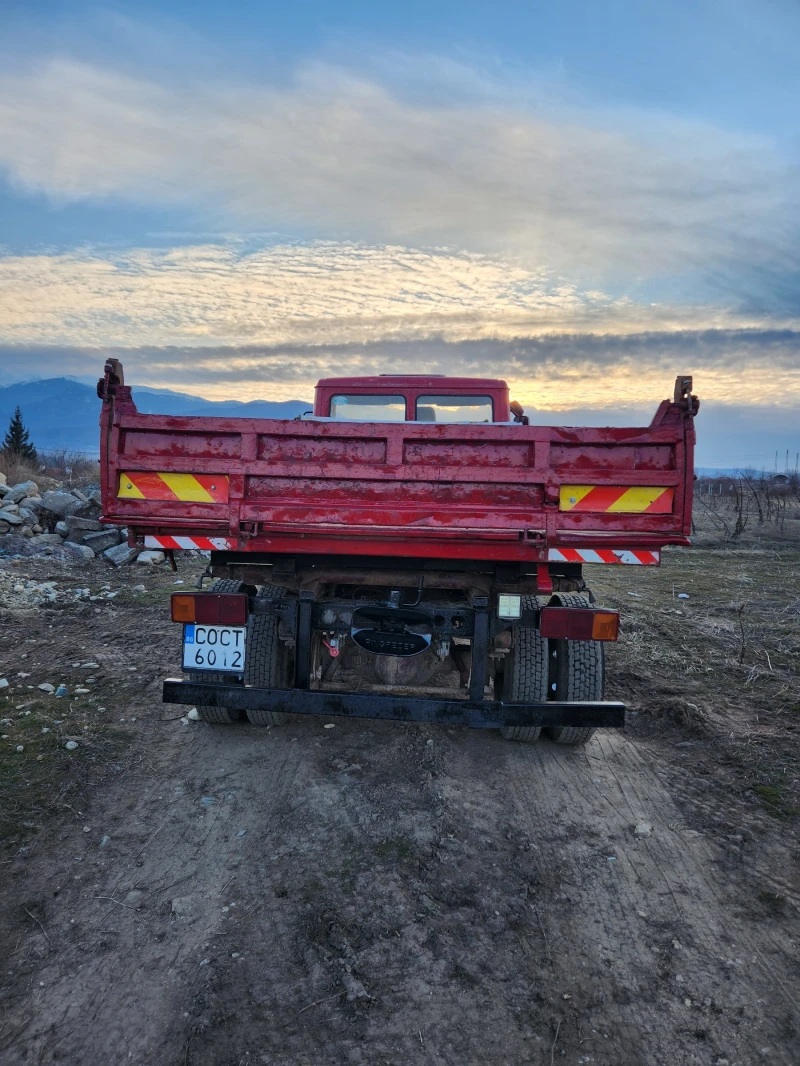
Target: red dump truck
410, 549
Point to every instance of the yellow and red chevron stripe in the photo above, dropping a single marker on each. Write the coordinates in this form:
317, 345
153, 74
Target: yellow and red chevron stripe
189, 488
610, 499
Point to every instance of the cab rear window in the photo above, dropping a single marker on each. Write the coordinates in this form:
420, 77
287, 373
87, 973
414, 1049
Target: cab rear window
368, 408
454, 409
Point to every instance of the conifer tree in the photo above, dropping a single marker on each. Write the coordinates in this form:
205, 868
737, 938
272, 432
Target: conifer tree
17, 443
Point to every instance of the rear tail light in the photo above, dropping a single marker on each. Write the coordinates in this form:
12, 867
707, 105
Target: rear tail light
210, 608
575, 623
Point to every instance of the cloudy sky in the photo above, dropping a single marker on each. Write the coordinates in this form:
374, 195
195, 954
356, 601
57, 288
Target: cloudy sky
583, 198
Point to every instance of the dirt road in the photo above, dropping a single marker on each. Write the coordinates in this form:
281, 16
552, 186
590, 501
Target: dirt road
376, 893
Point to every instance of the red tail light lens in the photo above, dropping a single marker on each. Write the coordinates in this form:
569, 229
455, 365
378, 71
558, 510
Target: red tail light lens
210, 608
575, 623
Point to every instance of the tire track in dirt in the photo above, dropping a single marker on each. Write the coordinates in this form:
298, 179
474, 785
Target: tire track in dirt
759, 843
387, 931
140, 933
399, 895
654, 939
716, 895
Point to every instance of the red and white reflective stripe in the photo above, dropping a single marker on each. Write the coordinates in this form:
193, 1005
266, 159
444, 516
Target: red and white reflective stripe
603, 555
202, 543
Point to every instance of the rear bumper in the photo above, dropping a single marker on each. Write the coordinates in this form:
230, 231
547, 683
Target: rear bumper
483, 715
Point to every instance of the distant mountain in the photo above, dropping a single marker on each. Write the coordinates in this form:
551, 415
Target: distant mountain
166, 402
64, 413
58, 413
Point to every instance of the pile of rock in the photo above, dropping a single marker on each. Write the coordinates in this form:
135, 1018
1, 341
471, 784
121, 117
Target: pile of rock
65, 522
19, 592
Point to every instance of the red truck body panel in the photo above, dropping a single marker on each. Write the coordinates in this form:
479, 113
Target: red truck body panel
496, 491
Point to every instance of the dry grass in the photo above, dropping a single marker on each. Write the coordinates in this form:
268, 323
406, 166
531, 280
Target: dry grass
62, 467
724, 664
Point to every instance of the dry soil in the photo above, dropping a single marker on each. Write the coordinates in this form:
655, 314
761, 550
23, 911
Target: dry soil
378, 893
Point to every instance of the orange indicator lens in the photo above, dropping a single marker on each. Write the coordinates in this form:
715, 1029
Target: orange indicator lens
182, 608
605, 625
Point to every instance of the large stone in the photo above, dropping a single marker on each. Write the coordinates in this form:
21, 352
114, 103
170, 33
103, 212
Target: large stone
79, 495
151, 557
20, 491
87, 510
33, 503
60, 503
11, 518
61, 529
4, 527
121, 554
3, 479
80, 551
28, 516
99, 542
47, 538
96, 498
79, 528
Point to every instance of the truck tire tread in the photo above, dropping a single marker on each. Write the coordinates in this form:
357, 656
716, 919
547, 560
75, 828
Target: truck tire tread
580, 678
264, 658
526, 670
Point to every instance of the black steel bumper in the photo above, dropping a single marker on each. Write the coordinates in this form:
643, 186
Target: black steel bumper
481, 715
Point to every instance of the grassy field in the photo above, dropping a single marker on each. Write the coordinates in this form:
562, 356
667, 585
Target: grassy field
722, 665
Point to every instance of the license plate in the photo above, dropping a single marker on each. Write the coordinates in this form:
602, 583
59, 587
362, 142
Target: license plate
214, 648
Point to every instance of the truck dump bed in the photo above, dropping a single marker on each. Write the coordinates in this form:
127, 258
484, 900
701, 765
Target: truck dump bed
496, 491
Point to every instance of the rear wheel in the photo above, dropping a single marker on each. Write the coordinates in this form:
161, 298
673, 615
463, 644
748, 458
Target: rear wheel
525, 675
268, 663
219, 715
577, 673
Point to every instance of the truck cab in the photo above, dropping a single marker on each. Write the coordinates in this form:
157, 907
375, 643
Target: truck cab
413, 398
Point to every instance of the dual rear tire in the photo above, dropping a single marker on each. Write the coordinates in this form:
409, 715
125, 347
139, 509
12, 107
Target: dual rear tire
538, 669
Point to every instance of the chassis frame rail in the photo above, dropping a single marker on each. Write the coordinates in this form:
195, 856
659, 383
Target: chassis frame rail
479, 715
